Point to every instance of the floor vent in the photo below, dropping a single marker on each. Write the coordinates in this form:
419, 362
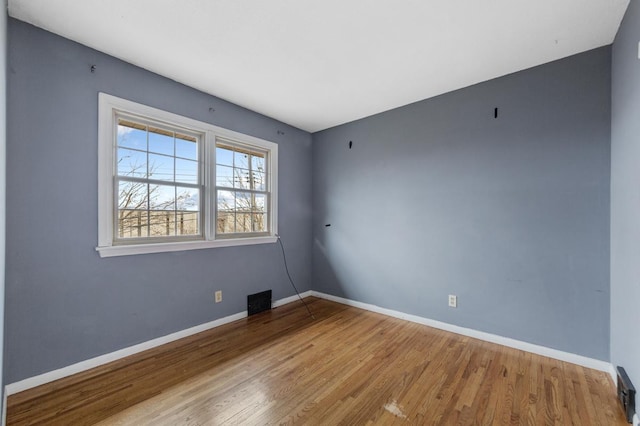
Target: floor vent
259, 302
627, 394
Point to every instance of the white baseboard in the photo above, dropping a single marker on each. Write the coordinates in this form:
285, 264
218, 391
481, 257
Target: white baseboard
493, 338
79, 367
290, 299
614, 374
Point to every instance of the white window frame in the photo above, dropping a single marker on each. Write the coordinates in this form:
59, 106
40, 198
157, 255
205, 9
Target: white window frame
235, 145
108, 107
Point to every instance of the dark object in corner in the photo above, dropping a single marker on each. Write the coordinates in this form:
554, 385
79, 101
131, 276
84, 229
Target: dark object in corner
626, 394
259, 302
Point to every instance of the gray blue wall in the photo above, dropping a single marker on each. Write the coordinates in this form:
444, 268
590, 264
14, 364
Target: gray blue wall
625, 198
439, 197
64, 303
509, 214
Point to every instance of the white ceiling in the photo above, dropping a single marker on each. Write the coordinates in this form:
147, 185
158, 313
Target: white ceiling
317, 64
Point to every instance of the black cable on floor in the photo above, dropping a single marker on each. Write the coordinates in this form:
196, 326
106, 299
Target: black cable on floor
284, 258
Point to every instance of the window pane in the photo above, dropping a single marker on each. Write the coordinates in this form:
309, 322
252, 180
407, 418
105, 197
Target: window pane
161, 141
188, 199
224, 176
225, 223
243, 202
132, 210
224, 157
186, 147
162, 223
162, 197
258, 222
161, 167
187, 223
243, 222
187, 215
257, 163
132, 196
132, 137
241, 160
258, 203
132, 163
241, 178
186, 171
257, 180
226, 201
132, 224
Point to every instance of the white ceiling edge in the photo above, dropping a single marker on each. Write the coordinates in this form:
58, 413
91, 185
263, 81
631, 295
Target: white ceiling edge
316, 65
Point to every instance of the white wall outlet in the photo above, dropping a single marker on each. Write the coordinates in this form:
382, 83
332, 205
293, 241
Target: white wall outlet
218, 296
453, 301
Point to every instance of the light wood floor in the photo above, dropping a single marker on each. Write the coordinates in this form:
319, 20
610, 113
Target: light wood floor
348, 366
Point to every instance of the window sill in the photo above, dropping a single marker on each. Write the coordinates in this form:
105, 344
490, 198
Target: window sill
133, 249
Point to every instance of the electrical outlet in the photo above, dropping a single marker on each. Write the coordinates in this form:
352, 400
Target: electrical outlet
453, 301
218, 296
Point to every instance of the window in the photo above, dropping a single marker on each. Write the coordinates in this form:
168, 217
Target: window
157, 181
169, 183
242, 198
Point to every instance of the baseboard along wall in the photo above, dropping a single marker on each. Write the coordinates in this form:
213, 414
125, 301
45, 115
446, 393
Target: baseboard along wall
79, 367
481, 335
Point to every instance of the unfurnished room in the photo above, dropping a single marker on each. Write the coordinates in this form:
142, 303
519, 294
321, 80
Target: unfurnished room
323, 213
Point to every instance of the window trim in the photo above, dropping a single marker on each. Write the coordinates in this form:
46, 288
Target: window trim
108, 107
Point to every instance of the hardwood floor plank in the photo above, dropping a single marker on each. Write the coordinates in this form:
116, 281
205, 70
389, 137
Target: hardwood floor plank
348, 366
